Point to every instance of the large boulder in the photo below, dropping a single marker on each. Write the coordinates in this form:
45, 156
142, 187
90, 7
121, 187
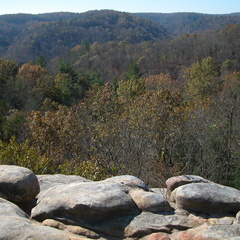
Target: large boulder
48, 181
18, 184
82, 203
149, 201
178, 181
207, 198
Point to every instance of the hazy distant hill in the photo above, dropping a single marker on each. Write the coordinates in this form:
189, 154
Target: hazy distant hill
52, 34
26, 36
180, 23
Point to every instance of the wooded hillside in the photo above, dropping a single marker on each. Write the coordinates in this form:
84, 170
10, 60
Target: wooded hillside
108, 93
24, 36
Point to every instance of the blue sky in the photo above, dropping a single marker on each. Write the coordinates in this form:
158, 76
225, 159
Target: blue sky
163, 6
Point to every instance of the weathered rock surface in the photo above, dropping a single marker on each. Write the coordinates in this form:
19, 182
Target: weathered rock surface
216, 232
129, 181
160, 191
156, 236
149, 201
48, 181
18, 184
84, 202
238, 218
10, 209
147, 223
207, 198
14, 228
14, 224
70, 228
122, 207
178, 181
221, 221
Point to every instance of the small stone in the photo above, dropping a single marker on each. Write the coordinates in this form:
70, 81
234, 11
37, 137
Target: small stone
54, 224
221, 221
82, 231
157, 236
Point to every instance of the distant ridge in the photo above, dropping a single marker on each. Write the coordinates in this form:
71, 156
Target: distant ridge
53, 33
25, 36
180, 23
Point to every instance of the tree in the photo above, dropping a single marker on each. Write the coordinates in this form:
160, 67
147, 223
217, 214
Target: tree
155, 119
227, 114
134, 71
211, 135
65, 137
36, 85
63, 83
157, 82
131, 88
8, 72
22, 154
202, 79
30, 73
42, 62
66, 68
229, 67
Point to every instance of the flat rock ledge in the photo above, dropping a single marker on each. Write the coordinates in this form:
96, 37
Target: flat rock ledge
63, 207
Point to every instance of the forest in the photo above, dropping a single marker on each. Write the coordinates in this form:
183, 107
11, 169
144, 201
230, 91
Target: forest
105, 93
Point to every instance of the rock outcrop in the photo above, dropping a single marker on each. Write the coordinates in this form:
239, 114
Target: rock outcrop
84, 202
72, 208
